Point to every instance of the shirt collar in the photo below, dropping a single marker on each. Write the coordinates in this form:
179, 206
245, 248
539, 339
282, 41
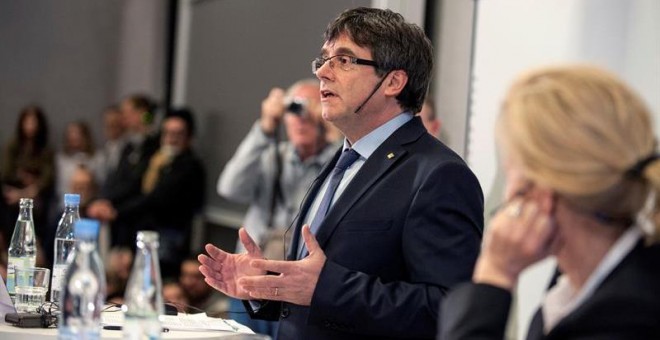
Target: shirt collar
366, 145
563, 299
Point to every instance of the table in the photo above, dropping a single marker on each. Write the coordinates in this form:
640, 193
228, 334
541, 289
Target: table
16, 333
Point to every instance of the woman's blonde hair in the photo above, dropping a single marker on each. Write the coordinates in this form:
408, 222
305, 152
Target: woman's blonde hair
579, 131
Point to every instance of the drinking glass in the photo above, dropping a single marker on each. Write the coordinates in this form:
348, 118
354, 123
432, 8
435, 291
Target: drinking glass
31, 288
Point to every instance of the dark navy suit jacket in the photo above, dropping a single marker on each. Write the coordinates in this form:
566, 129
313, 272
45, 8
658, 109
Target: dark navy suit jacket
406, 229
625, 306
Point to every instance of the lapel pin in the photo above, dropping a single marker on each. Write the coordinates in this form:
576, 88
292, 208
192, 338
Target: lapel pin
390, 155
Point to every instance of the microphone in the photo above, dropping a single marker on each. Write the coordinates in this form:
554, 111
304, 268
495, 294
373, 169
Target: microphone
372, 92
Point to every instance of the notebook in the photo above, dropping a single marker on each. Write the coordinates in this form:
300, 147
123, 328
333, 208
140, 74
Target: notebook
5, 302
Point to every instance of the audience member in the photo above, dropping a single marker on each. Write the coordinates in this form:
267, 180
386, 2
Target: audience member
403, 222
430, 118
252, 174
117, 269
172, 192
125, 182
83, 183
583, 178
199, 294
27, 168
114, 131
275, 183
78, 151
174, 295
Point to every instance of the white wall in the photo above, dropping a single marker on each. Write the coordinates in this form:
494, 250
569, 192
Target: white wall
76, 57
514, 35
452, 42
412, 10
141, 52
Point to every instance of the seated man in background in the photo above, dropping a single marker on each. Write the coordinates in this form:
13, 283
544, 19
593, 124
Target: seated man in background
199, 295
174, 295
118, 269
82, 182
274, 176
172, 193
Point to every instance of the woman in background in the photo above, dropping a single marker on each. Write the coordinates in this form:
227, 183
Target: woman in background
583, 177
27, 167
78, 151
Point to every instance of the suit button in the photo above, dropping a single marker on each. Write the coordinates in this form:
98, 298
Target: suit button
284, 312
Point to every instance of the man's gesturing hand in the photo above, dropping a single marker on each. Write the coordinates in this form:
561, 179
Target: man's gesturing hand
223, 270
296, 281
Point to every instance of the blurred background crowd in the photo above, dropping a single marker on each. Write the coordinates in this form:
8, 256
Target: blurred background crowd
144, 176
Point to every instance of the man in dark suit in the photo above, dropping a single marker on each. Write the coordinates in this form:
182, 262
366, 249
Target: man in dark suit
390, 224
171, 192
125, 180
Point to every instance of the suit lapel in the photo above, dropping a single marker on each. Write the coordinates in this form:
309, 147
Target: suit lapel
304, 209
372, 170
379, 163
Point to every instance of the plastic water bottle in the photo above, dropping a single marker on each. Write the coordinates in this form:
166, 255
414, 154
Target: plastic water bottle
83, 290
65, 243
144, 299
22, 248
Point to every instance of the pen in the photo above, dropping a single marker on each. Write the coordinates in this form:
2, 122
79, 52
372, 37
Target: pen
234, 328
118, 328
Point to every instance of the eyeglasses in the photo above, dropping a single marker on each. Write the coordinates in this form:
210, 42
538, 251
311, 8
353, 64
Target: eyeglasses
344, 62
518, 194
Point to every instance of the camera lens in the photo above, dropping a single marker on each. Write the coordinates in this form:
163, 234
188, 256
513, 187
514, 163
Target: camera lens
296, 107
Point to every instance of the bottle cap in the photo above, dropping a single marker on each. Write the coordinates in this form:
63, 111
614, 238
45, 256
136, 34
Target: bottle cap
86, 228
25, 203
71, 199
147, 236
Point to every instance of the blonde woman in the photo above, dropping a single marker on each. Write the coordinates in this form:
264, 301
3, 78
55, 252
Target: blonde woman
582, 175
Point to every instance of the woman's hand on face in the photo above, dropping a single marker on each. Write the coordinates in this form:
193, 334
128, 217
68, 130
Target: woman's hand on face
518, 236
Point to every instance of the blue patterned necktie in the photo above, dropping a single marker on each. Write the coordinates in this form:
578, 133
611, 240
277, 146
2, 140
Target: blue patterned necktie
348, 157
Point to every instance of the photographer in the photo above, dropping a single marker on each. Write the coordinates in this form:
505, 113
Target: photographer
274, 183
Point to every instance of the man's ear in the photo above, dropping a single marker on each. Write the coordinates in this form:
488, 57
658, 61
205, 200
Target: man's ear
396, 82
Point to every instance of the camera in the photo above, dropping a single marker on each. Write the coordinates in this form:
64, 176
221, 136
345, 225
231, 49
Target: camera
297, 106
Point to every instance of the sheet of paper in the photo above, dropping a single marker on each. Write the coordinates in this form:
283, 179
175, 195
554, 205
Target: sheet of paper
183, 322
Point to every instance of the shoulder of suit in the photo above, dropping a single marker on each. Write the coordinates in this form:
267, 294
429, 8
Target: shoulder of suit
651, 255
